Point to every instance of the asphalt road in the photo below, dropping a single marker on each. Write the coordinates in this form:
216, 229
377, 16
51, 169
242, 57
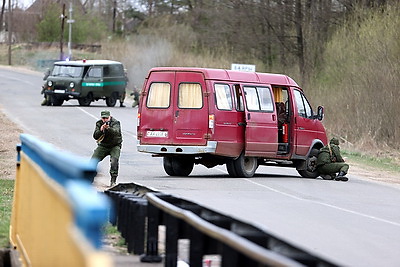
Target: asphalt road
354, 223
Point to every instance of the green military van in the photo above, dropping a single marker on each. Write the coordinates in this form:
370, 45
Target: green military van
86, 81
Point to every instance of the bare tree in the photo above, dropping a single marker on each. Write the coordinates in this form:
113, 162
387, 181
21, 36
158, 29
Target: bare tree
3, 7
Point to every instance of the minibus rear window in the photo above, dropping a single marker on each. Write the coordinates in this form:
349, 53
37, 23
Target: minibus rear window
190, 95
159, 95
223, 96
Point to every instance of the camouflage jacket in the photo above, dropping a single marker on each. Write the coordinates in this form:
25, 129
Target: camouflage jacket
110, 137
328, 154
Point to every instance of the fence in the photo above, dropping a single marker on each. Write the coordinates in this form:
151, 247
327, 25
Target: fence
57, 216
209, 233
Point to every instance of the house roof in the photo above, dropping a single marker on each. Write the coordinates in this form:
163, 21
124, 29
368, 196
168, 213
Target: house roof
39, 6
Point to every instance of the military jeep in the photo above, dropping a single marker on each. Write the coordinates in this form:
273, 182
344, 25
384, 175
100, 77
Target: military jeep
86, 81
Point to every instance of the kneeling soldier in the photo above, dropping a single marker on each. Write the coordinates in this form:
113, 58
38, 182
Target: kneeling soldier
331, 162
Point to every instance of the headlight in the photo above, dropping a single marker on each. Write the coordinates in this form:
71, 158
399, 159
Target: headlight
49, 83
71, 84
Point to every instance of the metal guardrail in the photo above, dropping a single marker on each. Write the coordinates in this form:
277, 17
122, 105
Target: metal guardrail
209, 232
57, 215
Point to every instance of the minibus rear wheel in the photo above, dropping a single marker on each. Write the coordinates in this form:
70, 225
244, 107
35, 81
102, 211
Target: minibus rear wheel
178, 166
245, 166
112, 100
230, 167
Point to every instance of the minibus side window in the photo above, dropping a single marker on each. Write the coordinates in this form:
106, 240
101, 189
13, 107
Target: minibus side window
239, 98
264, 95
223, 96
115, 70
106, 71
190, 95
251, 98
159, 95
95, 72
258, 99
303, 107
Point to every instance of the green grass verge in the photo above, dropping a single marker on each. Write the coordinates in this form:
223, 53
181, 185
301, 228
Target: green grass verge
6, 199
384, 163
113, 236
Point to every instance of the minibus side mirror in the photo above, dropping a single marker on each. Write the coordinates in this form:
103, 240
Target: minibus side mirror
320, 114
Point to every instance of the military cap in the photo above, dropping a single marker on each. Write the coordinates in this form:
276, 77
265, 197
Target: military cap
334, 141
105, 114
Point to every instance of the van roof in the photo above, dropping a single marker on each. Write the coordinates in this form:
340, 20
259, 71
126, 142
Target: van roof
232, 75
86, 62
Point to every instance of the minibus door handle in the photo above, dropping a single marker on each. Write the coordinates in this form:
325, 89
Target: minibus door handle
177, 113
248, 116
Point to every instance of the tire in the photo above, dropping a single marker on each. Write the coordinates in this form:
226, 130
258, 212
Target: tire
245, 166
311, 165
178, 166
230, 167
56, 101
85, 101
112, 100
167, 162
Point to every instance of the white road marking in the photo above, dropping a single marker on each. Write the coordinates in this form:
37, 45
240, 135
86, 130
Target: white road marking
87, 113
325, 204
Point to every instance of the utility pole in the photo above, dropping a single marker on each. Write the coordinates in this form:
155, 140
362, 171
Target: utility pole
70, 21
114, 16
9, 31
63, 17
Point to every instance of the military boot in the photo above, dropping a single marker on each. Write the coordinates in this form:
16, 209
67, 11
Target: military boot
326, 177
113, 181
341, 177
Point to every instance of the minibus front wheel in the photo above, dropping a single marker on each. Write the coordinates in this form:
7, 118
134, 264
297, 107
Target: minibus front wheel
310, 170
178, 166
86, 100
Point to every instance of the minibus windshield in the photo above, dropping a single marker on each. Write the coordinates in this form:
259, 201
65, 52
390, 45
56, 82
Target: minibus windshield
71, 71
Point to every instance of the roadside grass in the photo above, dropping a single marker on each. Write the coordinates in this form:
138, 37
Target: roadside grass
379, 163
6, 199
113, 238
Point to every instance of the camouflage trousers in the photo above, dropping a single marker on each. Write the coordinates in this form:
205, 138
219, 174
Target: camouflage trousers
333, 168
114, 152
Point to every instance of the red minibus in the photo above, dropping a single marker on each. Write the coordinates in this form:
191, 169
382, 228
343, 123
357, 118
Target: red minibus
242, 119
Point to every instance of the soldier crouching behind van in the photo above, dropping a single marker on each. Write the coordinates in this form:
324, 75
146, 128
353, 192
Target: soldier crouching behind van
135, 95
331, 162
46, 101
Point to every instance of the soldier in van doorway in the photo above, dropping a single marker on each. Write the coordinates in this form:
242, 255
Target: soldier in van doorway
109, 142
331, 162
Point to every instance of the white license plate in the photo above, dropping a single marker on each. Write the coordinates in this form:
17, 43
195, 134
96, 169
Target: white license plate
57, 91
156, 134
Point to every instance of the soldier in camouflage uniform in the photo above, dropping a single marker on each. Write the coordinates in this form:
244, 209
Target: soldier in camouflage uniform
109, 139
331, 162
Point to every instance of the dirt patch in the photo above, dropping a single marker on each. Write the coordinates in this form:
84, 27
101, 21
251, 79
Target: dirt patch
9, 133
370, 173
